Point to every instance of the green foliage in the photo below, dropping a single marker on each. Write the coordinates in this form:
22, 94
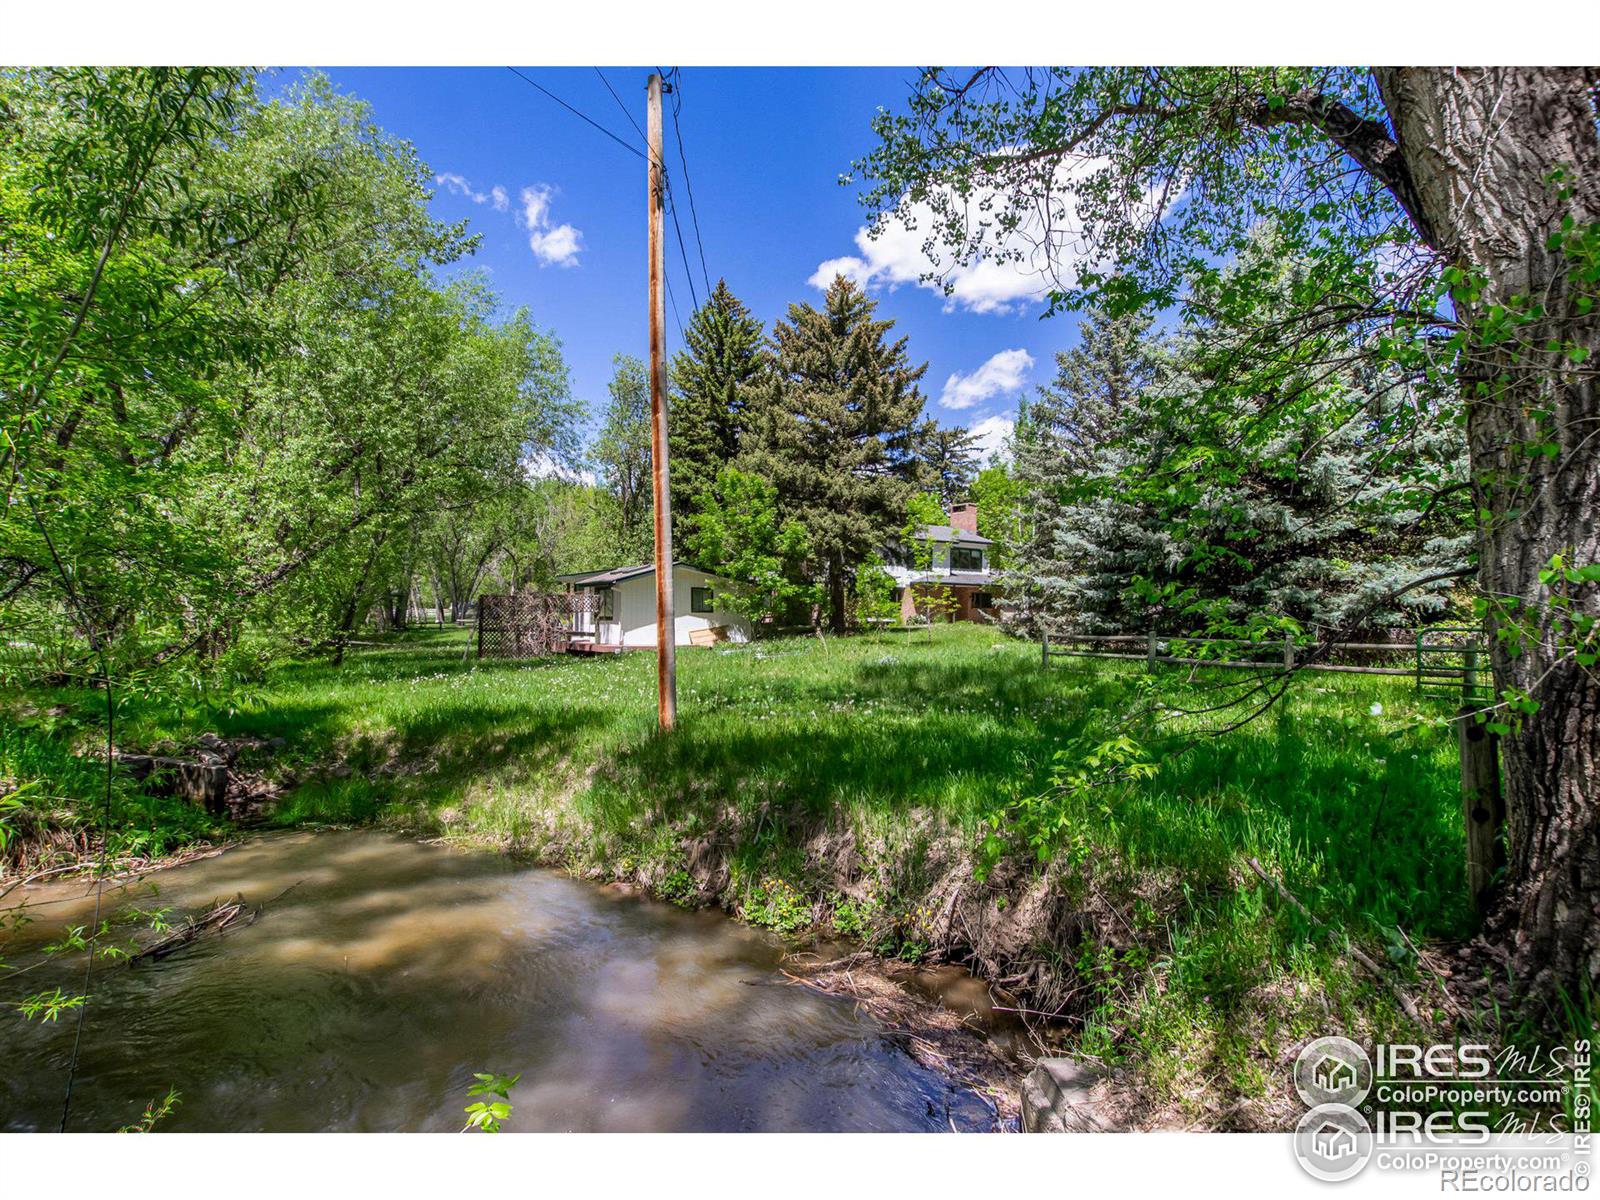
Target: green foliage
834, 430
677, 887
154, 1113
487, 1116
712, 380
621, 456
742, 537
776, 904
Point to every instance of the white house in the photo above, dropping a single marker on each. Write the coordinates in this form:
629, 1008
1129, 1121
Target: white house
953, 556
627, 613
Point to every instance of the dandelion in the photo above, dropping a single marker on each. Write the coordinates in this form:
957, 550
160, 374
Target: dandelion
1376, 710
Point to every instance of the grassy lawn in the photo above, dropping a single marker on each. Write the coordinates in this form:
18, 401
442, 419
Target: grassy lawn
851, 783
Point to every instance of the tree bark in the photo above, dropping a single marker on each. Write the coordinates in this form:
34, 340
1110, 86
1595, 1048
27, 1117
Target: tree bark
836, 612
1482, 147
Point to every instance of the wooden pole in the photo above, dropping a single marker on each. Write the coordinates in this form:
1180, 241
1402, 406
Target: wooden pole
1482, 801
1044, 649
1150, 651
666, 641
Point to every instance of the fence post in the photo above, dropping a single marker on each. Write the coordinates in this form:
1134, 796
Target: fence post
1288, 653
1150, 652
1482, 801
1044, 648
480, 628
1469, 674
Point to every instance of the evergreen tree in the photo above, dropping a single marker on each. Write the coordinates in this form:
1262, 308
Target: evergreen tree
948, 459
1087, 540
711, 379
838, 411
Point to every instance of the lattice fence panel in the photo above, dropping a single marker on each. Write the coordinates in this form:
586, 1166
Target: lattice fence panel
530, 624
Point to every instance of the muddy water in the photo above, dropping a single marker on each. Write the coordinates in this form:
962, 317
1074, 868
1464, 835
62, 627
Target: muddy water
366, 996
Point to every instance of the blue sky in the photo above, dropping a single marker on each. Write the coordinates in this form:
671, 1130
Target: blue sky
561, 211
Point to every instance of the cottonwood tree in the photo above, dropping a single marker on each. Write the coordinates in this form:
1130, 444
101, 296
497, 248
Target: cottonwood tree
1450, 214
836, 416
621, 456
711, 381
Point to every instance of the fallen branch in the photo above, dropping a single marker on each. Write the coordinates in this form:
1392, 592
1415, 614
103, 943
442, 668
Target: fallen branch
1356, 952
218, 917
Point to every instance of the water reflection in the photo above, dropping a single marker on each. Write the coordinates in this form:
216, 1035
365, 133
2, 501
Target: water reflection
386, 972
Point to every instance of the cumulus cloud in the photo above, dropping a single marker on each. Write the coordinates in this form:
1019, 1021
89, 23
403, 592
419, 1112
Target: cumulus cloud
498, 197
1003, 374
992, 434
551, 244
1045, 249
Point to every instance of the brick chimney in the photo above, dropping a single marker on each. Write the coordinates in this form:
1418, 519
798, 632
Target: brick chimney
964, 516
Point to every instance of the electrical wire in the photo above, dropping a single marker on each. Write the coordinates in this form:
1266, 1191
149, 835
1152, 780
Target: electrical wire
688, 183
582, 116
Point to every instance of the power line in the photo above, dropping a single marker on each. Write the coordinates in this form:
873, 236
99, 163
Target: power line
694, 217
580, 115
620, 104
676, 320
678, 229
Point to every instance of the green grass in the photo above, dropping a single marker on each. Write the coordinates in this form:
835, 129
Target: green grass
836, 779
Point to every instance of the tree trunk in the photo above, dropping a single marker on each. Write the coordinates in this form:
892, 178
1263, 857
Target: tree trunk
836, 593
1482, 148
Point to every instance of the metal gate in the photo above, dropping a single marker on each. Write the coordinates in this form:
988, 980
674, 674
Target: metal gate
1453, 664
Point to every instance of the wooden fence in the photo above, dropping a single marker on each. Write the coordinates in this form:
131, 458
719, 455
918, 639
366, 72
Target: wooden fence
532, 624
1440, 660
1444, 661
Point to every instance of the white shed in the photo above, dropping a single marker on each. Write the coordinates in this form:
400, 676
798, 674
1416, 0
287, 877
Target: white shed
627, 615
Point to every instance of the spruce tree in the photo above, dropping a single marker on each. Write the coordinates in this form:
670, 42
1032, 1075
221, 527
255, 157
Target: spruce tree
838, 412
948, 461
711, 381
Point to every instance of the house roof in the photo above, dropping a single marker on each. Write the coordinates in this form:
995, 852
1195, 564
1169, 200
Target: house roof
948, 533
618, 574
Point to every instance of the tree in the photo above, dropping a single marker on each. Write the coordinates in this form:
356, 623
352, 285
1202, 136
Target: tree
621, 456
1002, 512
1450, 215
742, 537
837, 410
949, 461
711, 380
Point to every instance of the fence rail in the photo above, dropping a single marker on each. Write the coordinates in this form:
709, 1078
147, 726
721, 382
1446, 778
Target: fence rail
1443, 661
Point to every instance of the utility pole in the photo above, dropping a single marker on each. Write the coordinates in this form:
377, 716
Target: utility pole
666, 640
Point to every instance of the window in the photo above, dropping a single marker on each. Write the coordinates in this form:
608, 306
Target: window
982, 600
700, 600
608, 606
964, 558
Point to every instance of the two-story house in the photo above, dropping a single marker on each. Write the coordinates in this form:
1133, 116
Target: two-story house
954, 557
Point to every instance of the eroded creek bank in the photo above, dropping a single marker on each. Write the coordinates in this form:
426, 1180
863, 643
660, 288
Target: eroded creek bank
382, 972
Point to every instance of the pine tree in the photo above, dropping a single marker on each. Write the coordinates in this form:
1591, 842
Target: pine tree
711, 379
838, 411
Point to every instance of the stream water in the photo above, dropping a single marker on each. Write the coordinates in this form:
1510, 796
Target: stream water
382, 973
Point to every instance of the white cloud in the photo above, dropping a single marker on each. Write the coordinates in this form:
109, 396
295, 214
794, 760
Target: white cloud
1044, 250
992, 433
498, 197
458, 185
1003, 374
551, 244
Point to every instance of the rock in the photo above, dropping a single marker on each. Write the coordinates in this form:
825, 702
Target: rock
1057, 1097
204, 782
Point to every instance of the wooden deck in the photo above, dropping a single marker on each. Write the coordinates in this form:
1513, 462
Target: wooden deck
597, 648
